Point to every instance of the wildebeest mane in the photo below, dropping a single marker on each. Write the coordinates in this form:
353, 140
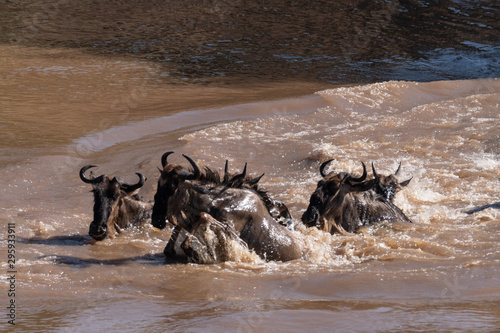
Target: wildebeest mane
213, 177
210, 179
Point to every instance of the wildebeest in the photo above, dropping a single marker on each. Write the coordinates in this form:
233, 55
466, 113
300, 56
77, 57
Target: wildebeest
116, 204
342, 202
388, 186
188, 198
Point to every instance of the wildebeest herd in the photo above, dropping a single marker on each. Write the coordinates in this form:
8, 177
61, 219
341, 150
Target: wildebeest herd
210, 212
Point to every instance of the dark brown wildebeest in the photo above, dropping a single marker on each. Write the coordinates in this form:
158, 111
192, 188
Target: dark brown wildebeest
345, 203
233, 204
116, 204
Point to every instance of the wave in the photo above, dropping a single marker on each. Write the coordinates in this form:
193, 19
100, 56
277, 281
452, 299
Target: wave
195, 120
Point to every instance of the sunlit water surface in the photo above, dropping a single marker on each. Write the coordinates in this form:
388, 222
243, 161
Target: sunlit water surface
63, 110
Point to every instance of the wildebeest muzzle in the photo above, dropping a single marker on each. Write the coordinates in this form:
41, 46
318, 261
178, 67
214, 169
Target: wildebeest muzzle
98, 232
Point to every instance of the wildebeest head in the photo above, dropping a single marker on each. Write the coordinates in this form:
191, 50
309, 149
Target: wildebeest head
107, 192
388, 186
170, 178
330, 193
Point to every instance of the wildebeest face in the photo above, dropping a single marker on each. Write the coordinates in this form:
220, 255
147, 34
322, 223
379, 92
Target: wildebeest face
170, 178
107, 192
106, 195
388, 186
167, 183
326, 190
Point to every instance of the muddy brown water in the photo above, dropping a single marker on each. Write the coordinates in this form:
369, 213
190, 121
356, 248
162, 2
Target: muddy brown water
62, 109
282, 85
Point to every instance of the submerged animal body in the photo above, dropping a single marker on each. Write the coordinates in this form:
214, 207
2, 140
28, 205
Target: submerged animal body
278, 210
233, 203
116, 204
345, 203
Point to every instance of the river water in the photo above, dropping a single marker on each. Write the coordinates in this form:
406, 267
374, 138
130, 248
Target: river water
75, 93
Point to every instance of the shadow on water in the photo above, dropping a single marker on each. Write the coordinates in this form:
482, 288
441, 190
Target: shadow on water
64, 240
81, 240
495, 205
148, 259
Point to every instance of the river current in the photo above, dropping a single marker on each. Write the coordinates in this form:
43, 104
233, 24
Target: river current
69, 104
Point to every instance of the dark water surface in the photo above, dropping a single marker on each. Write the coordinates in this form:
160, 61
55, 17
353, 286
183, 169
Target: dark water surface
282, 85
328, 41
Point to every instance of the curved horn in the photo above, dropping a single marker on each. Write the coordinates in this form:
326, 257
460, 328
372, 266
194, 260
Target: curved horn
164, 158
87, 180
196, 168
363, 176
129, 188
397, 171
323, 166
374, 172
406, 182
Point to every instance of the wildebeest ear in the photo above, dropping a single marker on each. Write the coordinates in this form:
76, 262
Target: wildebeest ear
185, 174
406, 182
117, 180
